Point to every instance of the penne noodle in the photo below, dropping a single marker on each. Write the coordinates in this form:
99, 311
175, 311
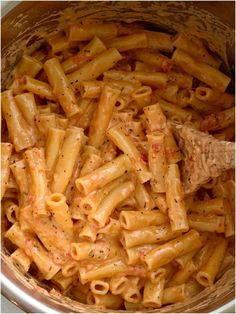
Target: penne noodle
210, 223
6, 151
214, 97
124, 43
37, 87
217, 121
160, 41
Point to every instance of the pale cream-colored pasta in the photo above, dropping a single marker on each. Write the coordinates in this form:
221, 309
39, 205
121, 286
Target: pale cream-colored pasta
70, 268
153, 293
157, 161
20, 132
107, 301
67, 159
102, 116
133, 220
103, 175
35, 161
45, 121
99, 287
86, 31
110, 202
11, 211
88, 232
63, 283
73, 63
161, 62
155, 118
147, 235
61, 88
131, 294
210, 223
20, 174
56, 203
174, 294
175, 200
91, 70
194, 47
165, 253
113, 228
21, 260
201, 70
124, 43
117, 284
118, 136
160, 201
6, 151
171, 110
207, 273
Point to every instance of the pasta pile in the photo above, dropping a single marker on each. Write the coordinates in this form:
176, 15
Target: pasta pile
91, 171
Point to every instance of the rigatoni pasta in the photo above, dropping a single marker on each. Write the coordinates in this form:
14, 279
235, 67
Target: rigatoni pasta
93, 167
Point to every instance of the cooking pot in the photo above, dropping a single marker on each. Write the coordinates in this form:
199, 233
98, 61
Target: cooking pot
25, 25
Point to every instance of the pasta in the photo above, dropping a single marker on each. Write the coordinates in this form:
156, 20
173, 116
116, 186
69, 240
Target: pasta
92, 167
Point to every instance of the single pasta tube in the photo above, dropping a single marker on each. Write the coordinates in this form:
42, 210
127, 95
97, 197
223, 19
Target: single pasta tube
143, 197
99, 287
67, 158
56, 203
168, 92
37, 87
102, 116
118, 284
142, 96
156, 120
117, 135
206, 275
153, 293
201, 70
28, 65
107, 301
165, 253
147, 235
20, 174
214, 97
88, 232
183, 260
85, 31
135, 254
175, 200
11, 211
63, 283
61, 88
211, 206
217, 121
110, 202
6, 151
160, 41
103, 175
171, 110
174, 294
26, 104
132, 220
70, 269
124, 43
21, 260
91, 70
183, 274
210, 223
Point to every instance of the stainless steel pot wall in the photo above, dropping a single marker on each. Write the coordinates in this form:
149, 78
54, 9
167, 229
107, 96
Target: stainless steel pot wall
28, 24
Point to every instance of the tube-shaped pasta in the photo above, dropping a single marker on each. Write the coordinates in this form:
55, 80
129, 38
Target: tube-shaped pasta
157, 161
195, 48
212, 206
35, 161
107, 301
52, 147
219, 120
63, 283
175, 200
168, 92
28, 65
70, 268
153, 293
117, 284
210, 223
132, 220
201, 71
37, 87
171, 110
165, 253
155, 118
172, 151
11, 210
147, 235
84, 32
229, 220
107, 269
58, 43
142, 96
153, 79
88, 250
135, 254
102, 116
6, 151
214, 97
160, 201
143, 197
183, 274
133, 41
73, 63
183, 260
160, 41
61, 88
67, 159
161, 62
34, 249
88, 232
182, 80
206, 275
91, 70
131, 293
117, 135
45, 121
113, 228
103, 175
20, 132
26, 104
174, 294
20, 174
110, 202
22, 260
56, 203
99, 287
